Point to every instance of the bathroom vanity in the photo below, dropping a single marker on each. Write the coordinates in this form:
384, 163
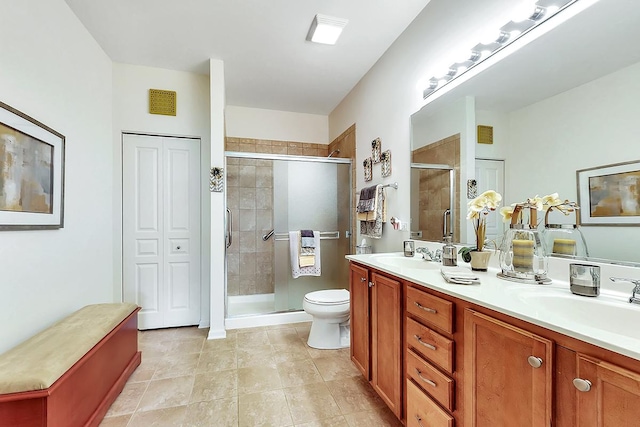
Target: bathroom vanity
494, 354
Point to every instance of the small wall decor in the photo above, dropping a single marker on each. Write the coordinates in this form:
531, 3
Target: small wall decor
385, 168
216, 180
608, 195
368, 169
376, 149
472, 189
32, 171
162, 102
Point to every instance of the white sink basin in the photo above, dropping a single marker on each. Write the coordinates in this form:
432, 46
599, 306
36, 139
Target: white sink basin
399, 260
605, 313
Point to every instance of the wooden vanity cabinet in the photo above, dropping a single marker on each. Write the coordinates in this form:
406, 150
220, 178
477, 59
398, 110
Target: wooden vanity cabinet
430, 358
508, 374
359, 318
376, 332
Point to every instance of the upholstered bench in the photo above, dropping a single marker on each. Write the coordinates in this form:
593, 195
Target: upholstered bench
69, 374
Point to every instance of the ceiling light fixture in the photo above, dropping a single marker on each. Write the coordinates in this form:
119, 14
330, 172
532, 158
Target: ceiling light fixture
326, 29
512, 31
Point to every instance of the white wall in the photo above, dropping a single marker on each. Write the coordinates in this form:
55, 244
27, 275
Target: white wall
55, 72
592, 125
382, 102
131, 84
243, 122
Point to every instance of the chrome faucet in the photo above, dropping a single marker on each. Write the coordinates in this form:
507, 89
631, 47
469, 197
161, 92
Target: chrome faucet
427, 255
635, 295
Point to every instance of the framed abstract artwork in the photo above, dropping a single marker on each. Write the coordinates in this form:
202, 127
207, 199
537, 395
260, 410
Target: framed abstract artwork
31, 173
610, 195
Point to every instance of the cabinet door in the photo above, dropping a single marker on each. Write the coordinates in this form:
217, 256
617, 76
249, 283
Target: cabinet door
613, 398
386, 340
359, 285
502, 386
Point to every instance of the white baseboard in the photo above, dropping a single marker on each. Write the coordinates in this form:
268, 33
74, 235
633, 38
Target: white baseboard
267, 320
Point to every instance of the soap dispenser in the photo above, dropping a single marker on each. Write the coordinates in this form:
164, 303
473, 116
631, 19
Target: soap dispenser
449, 253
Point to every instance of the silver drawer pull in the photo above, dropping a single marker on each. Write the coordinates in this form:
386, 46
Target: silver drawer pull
429, 346
427, 309
431, 383
534, 361
582, 385
419, 420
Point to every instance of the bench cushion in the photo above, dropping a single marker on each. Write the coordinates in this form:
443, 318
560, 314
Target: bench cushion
38, 362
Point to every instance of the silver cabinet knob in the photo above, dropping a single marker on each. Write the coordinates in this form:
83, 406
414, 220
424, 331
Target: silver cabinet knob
582, 385
371, 284
534, 361
363, 279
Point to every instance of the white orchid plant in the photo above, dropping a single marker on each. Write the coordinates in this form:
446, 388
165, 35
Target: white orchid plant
479, 208
539, 203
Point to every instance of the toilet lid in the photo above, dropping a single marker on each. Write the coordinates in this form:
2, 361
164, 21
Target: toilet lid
328, 296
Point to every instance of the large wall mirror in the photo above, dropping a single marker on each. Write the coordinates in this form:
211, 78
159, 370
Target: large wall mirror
568, 101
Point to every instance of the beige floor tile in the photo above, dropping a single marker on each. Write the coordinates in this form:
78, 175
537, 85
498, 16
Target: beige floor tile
153, 349
263, 355
185, 345
145, 371
290, 352
354, 395
191, 332
119, 421
252, 339
166, 393
215, 385
329, 422
298, 372
157, 335
258, 379
217, 361
166, 417
264, 409
219, 413
303, 332
311, 402
128, 400
176, 365
380, 417
316, 353
283, 336
335, 368
248, 330
223, 344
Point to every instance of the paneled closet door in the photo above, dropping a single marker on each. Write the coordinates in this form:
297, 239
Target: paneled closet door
161, 229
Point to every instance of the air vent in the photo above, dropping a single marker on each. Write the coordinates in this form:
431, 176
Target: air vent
162, 102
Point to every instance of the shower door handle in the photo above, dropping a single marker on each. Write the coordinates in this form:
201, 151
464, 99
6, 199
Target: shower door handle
446, 231
227, 237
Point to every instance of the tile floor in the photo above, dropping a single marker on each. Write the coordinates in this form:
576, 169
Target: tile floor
255, 377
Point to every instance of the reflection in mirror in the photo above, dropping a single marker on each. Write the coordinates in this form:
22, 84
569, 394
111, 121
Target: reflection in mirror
565, 102
433, 188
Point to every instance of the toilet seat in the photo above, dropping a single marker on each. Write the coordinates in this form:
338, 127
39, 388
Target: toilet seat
328, 297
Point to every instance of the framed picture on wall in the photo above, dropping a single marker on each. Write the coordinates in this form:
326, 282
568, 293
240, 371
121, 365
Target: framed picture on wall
610, 195
31, 173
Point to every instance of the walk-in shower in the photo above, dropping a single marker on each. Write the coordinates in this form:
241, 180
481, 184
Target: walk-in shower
267, 196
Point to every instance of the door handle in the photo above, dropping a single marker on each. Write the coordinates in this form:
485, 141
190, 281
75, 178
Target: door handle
228, 239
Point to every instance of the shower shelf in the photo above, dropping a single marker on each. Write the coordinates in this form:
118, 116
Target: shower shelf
324, 235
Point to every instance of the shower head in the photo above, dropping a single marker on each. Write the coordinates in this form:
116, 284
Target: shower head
334, 152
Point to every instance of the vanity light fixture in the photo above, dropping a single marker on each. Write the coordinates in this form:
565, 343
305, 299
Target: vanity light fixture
538, 12
326, 29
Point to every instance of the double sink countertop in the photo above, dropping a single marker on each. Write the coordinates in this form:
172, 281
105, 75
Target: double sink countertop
608, 321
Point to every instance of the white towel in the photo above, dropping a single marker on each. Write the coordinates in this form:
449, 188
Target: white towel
296, 270
459, 275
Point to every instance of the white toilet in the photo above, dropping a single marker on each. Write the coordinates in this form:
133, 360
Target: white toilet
330, 311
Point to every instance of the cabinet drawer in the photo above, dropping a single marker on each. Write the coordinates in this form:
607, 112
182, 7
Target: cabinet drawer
431, 309
430, 345
424, 412
437, 384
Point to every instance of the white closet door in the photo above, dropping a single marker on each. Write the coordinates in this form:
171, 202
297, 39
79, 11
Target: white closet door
161, 229
490, 176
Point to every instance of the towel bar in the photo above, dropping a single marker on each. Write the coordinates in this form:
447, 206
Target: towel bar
324, 235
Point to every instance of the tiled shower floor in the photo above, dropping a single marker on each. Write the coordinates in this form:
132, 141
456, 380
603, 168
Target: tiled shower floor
255, 377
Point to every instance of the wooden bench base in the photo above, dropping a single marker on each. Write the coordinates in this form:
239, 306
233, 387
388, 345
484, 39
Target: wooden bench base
83, 395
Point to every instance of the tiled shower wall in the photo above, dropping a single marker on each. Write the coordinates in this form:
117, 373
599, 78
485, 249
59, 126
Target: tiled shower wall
434, 187
250, 199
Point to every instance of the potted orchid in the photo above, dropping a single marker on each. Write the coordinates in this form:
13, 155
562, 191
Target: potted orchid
478, 209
